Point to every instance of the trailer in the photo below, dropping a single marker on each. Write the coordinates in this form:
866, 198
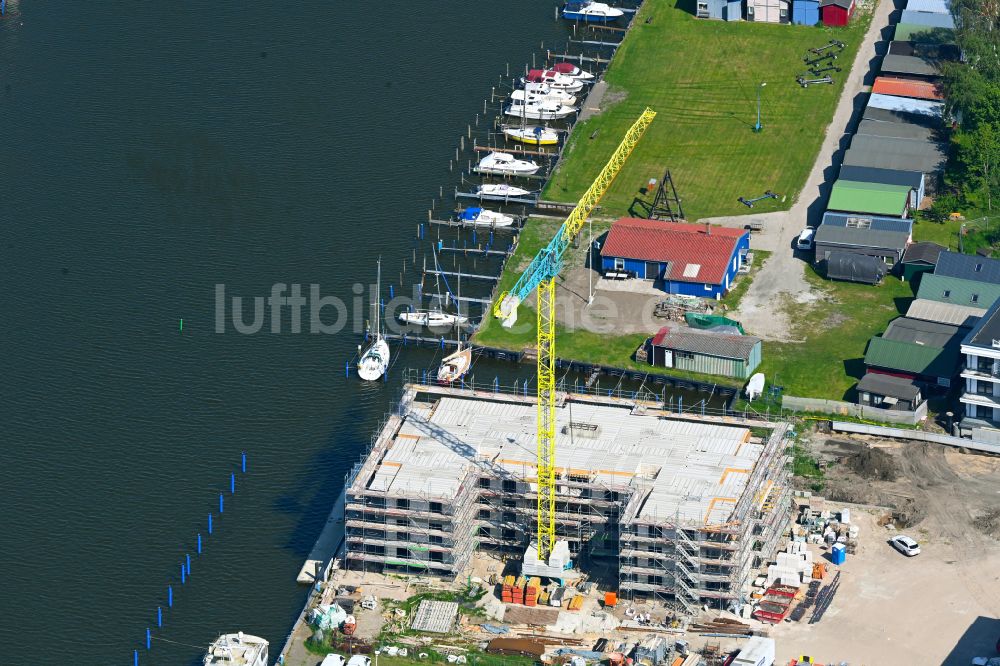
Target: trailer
776, 604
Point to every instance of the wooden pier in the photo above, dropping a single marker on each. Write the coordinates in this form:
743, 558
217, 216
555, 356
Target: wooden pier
495, 198
458, 274
478, 225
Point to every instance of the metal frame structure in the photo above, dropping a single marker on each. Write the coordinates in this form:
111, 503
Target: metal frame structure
540, 276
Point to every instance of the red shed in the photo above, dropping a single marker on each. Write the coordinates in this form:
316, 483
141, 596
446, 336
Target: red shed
836, 12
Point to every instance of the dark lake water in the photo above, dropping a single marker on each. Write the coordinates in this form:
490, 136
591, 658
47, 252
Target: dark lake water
149, 152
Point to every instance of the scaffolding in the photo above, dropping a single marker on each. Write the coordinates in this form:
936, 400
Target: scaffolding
450, 472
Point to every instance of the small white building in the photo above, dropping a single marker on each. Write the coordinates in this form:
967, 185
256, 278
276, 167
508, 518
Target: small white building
981, 372
768, 11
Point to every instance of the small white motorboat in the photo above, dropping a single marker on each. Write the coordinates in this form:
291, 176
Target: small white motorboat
237, 649
454, 366
591, 12
553, 79
555, 96
505, 164
543, 110
482, 216
374, 361
501, 191
431, 318
755, 387
546, 90
536, 135
572, 71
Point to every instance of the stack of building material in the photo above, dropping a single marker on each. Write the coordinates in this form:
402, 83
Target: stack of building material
531, 592
517, 593
576, 603
507, 593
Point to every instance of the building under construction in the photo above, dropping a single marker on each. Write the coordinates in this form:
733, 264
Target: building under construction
683, 507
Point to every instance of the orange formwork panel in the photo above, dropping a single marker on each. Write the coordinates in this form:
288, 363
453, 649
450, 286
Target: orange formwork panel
610, 599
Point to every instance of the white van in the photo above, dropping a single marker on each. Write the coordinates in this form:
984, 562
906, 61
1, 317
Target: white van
805, 239
333, 660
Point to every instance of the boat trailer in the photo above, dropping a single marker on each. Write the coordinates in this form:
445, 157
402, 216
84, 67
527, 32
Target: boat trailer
816, 71
806, 82
749, 203
834, 44
819, 59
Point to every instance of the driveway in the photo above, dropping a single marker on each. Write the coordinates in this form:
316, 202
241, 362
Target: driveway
782, 276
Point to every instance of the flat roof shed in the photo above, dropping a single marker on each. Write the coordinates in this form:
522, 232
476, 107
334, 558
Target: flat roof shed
932, 19
919, 107
888, 153
873, 198
914, 180
910, 65
934, 6
922, 332
918, 32
896, 130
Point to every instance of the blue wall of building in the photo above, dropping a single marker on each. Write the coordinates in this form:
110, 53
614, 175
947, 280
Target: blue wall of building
805, 12
638, 268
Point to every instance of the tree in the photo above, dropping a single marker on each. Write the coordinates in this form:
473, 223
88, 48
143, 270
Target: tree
980, 152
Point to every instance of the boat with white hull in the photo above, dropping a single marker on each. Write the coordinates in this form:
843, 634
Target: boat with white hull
504, 164
374, 362
432, 318
545, 91
591, 12
501, 191
553, 80
572, 71
485, 217
539, 110
556, 97
237, 649
535, 135
454, 366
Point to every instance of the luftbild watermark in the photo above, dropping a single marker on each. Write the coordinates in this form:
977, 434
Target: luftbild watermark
301, 308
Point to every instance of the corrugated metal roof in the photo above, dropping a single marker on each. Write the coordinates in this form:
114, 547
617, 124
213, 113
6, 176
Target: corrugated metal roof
947, 313
883, 116
936, 6
861, 238
694, 253
890, 85
918, 32
875, 222
944, 289
897, 64
921, 107
932, 19
919, 331
896, 387
968, 267
923, 50
923, 252
682, 338
874, 198
885, 153
911, 358
912, 179
897, 130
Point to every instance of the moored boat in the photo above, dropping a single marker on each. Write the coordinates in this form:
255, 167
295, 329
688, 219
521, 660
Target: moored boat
455, 365
501, 191
553, 80
554, 96
431, 318
536, 135
572, 71
490, 218
374, 361
237, 649
543, 110
556, 93
591, 12
506, 164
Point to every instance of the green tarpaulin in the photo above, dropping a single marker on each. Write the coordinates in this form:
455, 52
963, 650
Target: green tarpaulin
695, 320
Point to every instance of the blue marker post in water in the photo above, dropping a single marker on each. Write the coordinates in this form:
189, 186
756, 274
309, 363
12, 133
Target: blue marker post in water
135, 658
159, 616
170, 596
187, 562
183, 574
199, 543
232, 483
149, 638
220, 503
243, 462
209, 523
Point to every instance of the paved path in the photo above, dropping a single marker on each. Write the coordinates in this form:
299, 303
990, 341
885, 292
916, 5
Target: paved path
783, 273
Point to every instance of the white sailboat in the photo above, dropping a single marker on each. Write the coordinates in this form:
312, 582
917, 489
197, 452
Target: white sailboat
432, 318
374, 361
505, 164
543, 91
237, 649
455, 365
540, 110
501, 191
490, 218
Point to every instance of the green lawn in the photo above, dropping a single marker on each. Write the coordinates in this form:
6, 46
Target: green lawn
700, 77
836, 330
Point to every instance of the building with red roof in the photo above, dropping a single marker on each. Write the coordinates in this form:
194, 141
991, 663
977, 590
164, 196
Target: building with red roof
891, 85
679, 258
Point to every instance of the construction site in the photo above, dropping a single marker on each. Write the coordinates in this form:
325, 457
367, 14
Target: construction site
676, 509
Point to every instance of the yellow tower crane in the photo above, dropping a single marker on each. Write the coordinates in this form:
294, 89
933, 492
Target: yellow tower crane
541, 276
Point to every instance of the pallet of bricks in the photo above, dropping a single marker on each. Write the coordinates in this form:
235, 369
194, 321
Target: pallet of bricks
532, 591
507, 593
517, 593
